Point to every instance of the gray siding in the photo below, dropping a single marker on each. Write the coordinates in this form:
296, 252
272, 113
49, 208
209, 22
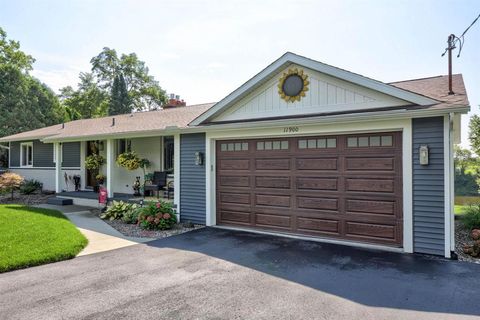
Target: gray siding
428, 188
42, 154
14, 154
71, 154
192, 179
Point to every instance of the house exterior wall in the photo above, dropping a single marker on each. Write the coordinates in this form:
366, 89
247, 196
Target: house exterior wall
46, 176
429, 187
192, 179
42, 154
14, 154
70, 154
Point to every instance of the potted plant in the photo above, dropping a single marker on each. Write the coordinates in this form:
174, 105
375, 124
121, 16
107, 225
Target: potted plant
131, 161
101, 178
94, 162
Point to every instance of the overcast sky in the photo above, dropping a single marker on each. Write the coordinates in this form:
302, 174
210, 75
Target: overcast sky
203, 50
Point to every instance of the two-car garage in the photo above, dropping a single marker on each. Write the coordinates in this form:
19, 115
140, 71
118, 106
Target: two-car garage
344, 186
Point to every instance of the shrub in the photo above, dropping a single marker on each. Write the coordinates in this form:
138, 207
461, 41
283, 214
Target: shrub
471, 217
118, 209
30, 186
157, 216
131, 216
9, 182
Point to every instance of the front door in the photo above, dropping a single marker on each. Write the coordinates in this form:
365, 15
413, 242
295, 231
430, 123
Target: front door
92, 148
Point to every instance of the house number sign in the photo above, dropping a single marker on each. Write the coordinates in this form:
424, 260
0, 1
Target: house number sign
290, 129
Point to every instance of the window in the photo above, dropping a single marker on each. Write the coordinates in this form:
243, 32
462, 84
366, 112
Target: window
123, 145
234, 146
26, 154
317, 143
272, 145
168, 154
369, 141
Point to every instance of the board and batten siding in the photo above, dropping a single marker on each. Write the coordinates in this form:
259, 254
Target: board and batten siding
192, 179
71, 155
42, 154
429, 187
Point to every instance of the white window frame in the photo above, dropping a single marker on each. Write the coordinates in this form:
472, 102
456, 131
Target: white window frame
128, 146
26, 144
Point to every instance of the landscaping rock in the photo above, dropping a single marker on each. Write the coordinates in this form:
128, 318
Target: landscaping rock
464, 243
475, 234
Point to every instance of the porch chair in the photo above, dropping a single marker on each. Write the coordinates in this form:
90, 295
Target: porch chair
159, 181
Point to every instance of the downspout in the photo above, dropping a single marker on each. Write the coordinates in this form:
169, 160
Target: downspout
451, 116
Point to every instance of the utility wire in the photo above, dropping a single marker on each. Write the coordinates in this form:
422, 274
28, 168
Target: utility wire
460, 40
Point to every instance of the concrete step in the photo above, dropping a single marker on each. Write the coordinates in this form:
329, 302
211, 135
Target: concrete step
60, 201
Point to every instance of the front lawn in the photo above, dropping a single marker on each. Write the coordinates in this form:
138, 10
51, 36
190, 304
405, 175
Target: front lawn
33, 236
458, 210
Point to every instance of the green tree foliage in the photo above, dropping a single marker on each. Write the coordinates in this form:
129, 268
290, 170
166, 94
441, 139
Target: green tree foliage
88, 101
25, 102
120, 102
467, 172
144, 92
474, 133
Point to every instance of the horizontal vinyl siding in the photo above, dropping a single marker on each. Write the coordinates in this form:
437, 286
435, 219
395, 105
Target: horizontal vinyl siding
14, 154
43, 154
192, 179
428, 188
71, 155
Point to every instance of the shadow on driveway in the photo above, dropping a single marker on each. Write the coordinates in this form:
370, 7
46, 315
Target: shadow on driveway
369, 277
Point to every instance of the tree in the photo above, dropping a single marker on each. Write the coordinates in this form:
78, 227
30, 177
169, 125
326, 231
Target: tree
143, 90
467, 172
119, 99
474, 133
88, 101
10, 54
25, 102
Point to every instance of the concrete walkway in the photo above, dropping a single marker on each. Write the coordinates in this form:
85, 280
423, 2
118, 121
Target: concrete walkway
101, 236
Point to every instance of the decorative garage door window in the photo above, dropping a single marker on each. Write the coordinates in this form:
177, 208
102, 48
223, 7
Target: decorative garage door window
234, 146
317, 143
369, 141
272, 145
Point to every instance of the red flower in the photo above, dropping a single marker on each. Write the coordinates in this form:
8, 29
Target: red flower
158, 216
150, 218
156, 221
167, 216
158, 205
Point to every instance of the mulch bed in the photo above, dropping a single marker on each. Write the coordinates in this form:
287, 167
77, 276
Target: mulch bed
25, 199
462, 237
132, 230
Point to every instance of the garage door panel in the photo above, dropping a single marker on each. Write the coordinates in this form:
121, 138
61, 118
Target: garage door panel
235, 197
387, 232
234, 181
273, 220
238, 217
315, 187
317, 164
317, 203
234, 164
318, 225
272, 182
317, 183
370, 185
272, 164
370, 163
371, 207
273, 200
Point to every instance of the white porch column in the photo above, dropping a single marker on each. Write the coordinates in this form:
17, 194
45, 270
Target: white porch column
58, 166
176, 172
110, 164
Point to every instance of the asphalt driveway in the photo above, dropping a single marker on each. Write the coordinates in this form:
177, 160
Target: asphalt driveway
219, 274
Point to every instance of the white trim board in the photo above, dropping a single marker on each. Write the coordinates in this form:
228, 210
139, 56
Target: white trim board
315, 129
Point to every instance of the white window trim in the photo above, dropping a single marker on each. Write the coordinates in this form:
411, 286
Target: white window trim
403, 125
28, 144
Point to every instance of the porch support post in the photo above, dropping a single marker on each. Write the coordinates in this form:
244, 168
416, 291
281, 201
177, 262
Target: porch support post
110, 163
58, 166
176, 173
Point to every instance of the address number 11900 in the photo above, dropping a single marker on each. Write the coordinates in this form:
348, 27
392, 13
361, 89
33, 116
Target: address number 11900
290, 129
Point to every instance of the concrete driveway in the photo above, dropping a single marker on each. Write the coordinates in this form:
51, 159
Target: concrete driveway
219, 274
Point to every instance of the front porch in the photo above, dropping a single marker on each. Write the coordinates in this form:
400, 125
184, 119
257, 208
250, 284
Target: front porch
90, 198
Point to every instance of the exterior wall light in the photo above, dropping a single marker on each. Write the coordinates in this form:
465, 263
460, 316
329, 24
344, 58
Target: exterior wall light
198, 158
423, 155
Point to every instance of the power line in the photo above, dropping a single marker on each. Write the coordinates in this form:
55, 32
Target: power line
453, 39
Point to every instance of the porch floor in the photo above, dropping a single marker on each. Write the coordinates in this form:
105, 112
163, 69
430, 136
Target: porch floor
116, 196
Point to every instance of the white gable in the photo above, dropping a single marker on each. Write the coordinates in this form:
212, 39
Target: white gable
325, 94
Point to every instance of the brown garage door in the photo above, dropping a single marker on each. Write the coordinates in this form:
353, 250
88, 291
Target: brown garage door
347, 186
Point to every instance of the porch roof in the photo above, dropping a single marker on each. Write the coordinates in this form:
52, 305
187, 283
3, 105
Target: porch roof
139, 122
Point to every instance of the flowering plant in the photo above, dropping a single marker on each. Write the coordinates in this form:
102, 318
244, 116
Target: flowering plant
157, 216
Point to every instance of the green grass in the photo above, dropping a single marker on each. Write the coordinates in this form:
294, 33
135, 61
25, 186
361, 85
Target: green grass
34, 236
459, 209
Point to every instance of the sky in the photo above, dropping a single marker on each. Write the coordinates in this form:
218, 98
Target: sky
203, 50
